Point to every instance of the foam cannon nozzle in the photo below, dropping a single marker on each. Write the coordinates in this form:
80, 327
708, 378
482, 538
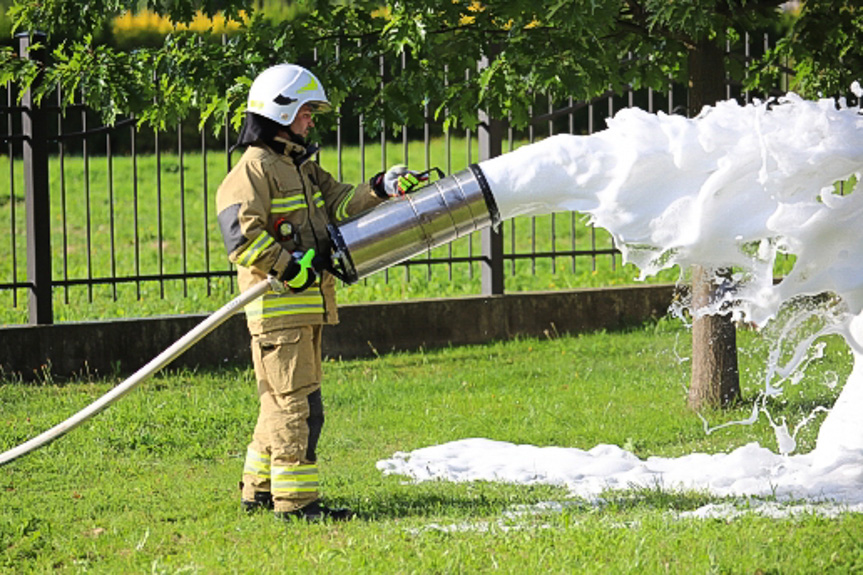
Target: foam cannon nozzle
401, 228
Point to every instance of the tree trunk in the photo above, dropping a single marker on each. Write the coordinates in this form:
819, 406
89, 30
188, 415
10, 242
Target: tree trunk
715, 378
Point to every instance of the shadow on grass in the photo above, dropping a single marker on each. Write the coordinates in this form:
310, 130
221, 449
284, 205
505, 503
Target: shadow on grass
793, 405
655, 499
485, 500
480, 499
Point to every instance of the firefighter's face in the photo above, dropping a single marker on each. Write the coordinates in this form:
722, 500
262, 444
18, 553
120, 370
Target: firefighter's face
303, 122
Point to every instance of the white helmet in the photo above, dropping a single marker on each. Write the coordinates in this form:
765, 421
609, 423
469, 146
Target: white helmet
279, 92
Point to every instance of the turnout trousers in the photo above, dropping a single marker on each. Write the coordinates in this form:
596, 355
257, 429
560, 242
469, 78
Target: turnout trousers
281, 458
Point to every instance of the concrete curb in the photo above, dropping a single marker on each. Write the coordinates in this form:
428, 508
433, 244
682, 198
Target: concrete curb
123, 346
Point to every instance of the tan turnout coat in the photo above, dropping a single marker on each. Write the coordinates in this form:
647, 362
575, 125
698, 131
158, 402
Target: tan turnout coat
264, 188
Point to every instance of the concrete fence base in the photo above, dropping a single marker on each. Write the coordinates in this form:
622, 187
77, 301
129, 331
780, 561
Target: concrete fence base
123, 346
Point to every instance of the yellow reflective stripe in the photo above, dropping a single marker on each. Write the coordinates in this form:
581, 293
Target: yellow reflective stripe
275, 305
288, 204
257, 464
342, 210
295, 479
251, 254
318, 199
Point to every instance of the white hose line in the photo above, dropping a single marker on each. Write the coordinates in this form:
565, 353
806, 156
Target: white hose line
170, 354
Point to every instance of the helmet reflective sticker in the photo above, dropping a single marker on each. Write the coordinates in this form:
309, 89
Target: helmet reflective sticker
312, 85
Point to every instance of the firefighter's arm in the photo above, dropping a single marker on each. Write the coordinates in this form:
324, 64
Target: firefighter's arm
243, 205
344, 200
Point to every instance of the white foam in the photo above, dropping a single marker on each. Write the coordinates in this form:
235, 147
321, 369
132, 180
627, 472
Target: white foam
735, 187
751, 470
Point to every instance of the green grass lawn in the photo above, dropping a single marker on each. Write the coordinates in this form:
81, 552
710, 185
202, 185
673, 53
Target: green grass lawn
150, 485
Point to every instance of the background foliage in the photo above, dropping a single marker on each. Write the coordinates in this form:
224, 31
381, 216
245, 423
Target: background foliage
575, 48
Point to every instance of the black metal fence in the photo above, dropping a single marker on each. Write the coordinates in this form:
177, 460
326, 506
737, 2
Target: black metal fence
126, 215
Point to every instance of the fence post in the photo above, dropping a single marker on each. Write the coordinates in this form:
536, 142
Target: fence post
490, 136
34, 127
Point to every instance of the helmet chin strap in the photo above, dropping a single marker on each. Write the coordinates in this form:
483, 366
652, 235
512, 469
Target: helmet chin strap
289, 134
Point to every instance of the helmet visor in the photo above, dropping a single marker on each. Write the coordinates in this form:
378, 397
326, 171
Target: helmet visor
318, 106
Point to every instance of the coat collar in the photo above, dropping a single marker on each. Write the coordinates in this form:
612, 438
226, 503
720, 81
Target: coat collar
297, 152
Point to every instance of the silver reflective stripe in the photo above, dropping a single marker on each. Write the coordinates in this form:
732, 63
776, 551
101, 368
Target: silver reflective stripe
318, 199
275, 305
289, 204
251, 254
257, 464
294, 479
342, 211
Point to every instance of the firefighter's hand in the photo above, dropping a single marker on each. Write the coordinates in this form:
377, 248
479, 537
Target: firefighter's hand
397, 181
300, 273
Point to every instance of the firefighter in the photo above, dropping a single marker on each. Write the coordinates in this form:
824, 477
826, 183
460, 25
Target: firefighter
273, 210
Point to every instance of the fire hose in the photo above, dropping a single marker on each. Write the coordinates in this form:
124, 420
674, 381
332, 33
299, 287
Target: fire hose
213, 321
392, 232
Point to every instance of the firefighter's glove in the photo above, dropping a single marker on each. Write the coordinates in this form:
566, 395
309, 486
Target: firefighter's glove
397, 181
300, 273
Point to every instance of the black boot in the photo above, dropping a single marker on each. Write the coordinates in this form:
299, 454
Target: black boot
263, 500
316, 511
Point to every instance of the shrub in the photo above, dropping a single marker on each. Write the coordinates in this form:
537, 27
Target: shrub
143, 29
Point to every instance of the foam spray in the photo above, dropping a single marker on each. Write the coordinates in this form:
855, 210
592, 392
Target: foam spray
735, 187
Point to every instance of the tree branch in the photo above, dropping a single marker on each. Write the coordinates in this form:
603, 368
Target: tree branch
631, 27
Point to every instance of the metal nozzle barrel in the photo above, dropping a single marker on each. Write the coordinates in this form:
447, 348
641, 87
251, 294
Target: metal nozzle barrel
404, 227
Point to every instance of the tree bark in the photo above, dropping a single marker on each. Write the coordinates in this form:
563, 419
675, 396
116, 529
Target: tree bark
715, 379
